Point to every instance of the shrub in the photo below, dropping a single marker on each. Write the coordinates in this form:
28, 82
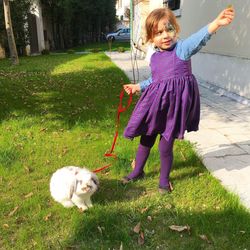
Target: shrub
70, 51
45, 52
121, 49
95, 50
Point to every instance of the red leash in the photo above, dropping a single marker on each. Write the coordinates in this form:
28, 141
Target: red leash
120, 109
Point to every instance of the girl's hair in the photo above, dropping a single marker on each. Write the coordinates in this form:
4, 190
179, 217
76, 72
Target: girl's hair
153, 19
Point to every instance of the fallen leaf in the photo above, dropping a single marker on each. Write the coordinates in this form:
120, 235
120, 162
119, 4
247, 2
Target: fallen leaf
64, 151
141, 239
28, 195
137, 228
43, 129
168, 206
204, 237
28, 169
243, 232
149, 218
46, 218
133, 164
180, 228
99, 229
121, 246
5, 225
13, 211
144, 210
34, 242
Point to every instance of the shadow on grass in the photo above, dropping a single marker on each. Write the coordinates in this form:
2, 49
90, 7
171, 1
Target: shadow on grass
88, 95
109, 227
111, 190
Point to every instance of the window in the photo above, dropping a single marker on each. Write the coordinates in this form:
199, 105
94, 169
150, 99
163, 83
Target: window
174, 4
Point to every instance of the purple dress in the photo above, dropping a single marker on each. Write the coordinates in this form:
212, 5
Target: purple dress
171, 103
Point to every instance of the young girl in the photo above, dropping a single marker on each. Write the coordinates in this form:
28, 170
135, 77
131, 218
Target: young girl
170, 102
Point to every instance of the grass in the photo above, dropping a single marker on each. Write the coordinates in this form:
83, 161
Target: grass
60, 110
104, 46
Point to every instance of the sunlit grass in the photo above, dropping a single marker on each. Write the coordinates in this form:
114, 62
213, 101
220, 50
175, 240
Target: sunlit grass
60, 110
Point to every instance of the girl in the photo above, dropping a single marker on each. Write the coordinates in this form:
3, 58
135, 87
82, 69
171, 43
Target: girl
170, 103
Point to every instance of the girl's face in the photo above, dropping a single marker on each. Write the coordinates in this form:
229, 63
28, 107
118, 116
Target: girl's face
165, 35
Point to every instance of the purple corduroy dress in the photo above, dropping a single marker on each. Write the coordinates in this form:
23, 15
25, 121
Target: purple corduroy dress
171, 103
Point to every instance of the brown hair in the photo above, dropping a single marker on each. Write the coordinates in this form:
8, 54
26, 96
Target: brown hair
153, 19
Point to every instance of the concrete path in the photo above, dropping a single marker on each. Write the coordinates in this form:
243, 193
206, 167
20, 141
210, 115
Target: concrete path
223, 141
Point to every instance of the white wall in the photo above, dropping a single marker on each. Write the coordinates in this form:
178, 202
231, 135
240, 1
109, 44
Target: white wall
233, 40
230, 73
225, 61
37, 11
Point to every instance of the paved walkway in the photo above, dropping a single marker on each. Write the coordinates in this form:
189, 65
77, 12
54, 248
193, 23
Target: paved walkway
223, 141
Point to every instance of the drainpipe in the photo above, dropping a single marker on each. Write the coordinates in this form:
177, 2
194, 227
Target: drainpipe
131, 21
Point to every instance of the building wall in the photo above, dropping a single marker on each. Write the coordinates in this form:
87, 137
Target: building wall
121, 6
225, 61
141, 10
36, 11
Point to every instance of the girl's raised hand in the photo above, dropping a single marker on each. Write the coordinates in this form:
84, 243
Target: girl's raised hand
225, 17
134, 88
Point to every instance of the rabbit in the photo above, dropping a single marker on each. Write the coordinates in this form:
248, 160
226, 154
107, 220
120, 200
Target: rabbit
72, 186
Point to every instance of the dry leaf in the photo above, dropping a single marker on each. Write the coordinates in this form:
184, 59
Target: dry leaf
204, 237
144, 210
183, 156
43, 129
64, 151
13, 211
149, 218
133, 164
243, 232
5, 225
141, 238
180, 228
137, 228
28, 195
99, 229
121, 246
46, 218
28, 169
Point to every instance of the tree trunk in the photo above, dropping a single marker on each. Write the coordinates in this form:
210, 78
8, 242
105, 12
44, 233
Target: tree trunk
2, 51
10, 35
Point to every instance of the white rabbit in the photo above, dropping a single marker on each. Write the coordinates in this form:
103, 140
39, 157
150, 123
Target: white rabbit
73, 186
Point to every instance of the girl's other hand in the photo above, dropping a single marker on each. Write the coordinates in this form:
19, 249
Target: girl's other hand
134, 88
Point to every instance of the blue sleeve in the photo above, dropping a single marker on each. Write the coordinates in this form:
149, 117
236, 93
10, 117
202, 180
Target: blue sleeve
145, 84
190, 46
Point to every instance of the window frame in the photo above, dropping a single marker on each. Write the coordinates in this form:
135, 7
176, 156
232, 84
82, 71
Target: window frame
177, 11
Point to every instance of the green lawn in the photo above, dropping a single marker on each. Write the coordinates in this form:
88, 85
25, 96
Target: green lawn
104, 46
59, 110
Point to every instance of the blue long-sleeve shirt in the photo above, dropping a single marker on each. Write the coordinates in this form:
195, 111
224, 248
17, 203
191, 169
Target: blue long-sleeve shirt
185, 49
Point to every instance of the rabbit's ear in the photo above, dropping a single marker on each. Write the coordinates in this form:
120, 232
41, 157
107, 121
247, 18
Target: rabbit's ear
72, 189
95, 179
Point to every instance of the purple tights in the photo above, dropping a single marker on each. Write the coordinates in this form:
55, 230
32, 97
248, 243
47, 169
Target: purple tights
166, 157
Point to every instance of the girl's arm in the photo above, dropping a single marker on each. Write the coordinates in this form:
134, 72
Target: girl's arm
190, 46
139, 87
145, 84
